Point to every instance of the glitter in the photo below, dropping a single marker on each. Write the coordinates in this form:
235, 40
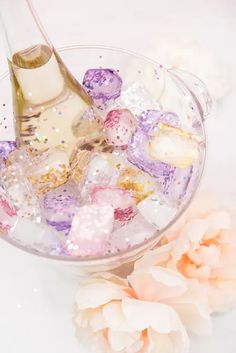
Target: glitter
119, 126
137, 99
134, 180
6, 147
184, 134
51, 169
102, 85
121, 200
8, 212
60, 206
20, 191
137, 152
90, 231
174, 146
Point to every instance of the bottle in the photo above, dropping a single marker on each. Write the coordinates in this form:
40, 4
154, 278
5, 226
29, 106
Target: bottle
51, 108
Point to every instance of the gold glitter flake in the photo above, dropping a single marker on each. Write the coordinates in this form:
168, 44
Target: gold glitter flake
50, 180
134, 181
181, 133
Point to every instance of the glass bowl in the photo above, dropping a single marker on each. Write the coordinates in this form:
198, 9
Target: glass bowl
174, 90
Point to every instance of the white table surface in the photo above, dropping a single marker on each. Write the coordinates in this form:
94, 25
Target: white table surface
36, 300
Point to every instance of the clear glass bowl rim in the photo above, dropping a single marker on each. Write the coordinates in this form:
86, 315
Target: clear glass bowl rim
134, 250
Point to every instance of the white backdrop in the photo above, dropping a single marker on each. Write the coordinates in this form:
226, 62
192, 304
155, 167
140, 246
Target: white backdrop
35, 300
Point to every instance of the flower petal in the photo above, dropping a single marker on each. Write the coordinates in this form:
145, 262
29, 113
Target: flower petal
93, 342
192, 307
105, 291
219, 220
194, 230
157, 283
120, 340
141, 315
82, 318
205, 255
222, 295
168, 343
114, 317
159, 256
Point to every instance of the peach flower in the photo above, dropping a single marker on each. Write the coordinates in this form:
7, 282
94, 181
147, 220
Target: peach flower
202, 246
110, 317
185, 296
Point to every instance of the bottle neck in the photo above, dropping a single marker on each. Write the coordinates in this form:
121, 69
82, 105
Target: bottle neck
21, 26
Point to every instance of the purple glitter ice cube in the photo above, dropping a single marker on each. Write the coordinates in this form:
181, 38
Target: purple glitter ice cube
60, 206
179, 185
137, 148
174, 181
102, 84
2, 164
138, 155
150, 118
6, 147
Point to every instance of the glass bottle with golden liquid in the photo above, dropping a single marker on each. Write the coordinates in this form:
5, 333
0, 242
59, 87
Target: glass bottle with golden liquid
51, 108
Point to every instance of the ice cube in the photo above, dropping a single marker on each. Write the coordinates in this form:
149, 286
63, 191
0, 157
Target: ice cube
7, 213
137, 99
6, 147
119, 126
137, 153
157, 211
150, 118
21, 156
21, 192
135, 232
137, 182
60, 206
174, 146
100, 171
121, 200
90, 231
39, 237
48, 170
103, 85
